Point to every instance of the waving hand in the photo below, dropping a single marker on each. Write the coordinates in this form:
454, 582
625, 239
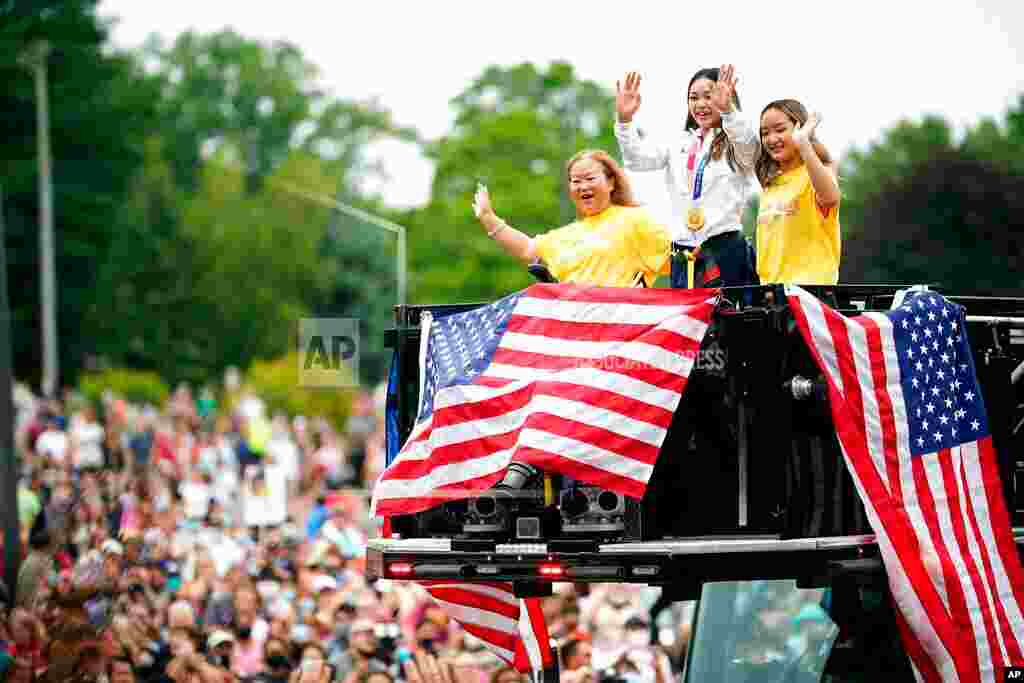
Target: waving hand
627, 97
725, 89
805, 133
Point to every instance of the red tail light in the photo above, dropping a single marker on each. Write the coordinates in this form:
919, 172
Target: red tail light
400, 570
551, 570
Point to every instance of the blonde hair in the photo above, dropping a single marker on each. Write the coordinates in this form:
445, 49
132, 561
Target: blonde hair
767, 168
622, 195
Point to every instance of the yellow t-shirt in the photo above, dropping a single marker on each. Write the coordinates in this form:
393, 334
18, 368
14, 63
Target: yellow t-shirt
607, 250
797, 243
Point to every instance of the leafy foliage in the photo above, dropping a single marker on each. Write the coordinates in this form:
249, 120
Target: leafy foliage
265, 101
102, 107
948, 223
920, 207
146, 311
865, 174
134, 385
358, 265
209, 240
277, 383
193, 218
515, 127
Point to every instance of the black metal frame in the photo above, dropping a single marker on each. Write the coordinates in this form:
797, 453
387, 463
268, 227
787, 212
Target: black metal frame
750, 427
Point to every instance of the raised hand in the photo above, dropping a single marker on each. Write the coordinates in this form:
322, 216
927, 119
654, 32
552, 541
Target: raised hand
805, 133
627, 97
725, 89
426, 668
482, 202
311, 671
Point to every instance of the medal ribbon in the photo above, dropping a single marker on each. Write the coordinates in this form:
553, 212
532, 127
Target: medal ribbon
695, 149
698, 181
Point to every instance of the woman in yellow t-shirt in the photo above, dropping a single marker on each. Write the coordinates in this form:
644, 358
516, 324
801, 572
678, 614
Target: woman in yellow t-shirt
612, 243
798, 238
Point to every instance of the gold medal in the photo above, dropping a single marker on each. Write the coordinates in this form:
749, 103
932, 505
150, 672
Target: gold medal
695, 218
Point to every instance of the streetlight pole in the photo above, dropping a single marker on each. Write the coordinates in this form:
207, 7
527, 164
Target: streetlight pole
8, 464
568, 129
36, 59
398, 230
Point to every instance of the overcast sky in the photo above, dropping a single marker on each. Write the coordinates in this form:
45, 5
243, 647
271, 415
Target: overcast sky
864, 65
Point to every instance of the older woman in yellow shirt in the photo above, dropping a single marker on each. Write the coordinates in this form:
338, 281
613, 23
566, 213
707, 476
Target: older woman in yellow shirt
613, 242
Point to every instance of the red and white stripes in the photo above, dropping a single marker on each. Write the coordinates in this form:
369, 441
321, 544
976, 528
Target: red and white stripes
940, 519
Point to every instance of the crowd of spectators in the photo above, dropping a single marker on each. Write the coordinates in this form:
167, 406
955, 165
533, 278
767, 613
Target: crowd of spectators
207, 540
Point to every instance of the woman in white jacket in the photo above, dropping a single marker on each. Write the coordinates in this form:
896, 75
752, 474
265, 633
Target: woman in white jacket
708, 173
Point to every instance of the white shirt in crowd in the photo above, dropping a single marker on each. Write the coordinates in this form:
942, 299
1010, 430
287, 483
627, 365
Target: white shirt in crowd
195, 498
266, 503
284, 453
53, 443
250, 407
88, 437
725, 193
224, 550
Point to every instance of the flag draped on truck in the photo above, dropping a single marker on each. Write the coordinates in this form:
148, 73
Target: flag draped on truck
581, 381
512, 628
908, 410
576, 380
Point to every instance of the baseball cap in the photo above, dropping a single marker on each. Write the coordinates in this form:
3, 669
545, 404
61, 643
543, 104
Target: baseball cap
360, 625
637, 620
325, 583
316, 554
112, 547
219, 638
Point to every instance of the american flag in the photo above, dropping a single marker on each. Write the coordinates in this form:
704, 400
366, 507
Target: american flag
512, 628
577, 380
573, 379
912, 424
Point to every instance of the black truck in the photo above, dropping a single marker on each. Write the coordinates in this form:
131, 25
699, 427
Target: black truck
749, 491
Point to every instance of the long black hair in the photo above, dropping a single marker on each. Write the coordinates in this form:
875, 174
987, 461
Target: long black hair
721, 144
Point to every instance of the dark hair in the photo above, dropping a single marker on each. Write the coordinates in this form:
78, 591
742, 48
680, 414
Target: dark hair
569, 646
316, 646
721, 144
271, 640
365, 676
767, 168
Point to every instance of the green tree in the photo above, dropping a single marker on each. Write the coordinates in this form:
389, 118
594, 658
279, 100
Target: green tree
277, 382
515, 127
358, 262
102, 106
865, 174
222, 244
265, 99
921, 207
133, 385
950, 222
999, 142
146, 312
256, 263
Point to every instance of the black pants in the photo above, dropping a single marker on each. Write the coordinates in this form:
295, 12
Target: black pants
725, 260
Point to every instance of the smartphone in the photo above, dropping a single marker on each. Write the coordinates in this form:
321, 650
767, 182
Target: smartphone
539, 270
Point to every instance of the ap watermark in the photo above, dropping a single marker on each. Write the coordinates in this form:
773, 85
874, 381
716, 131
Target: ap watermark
328, 352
